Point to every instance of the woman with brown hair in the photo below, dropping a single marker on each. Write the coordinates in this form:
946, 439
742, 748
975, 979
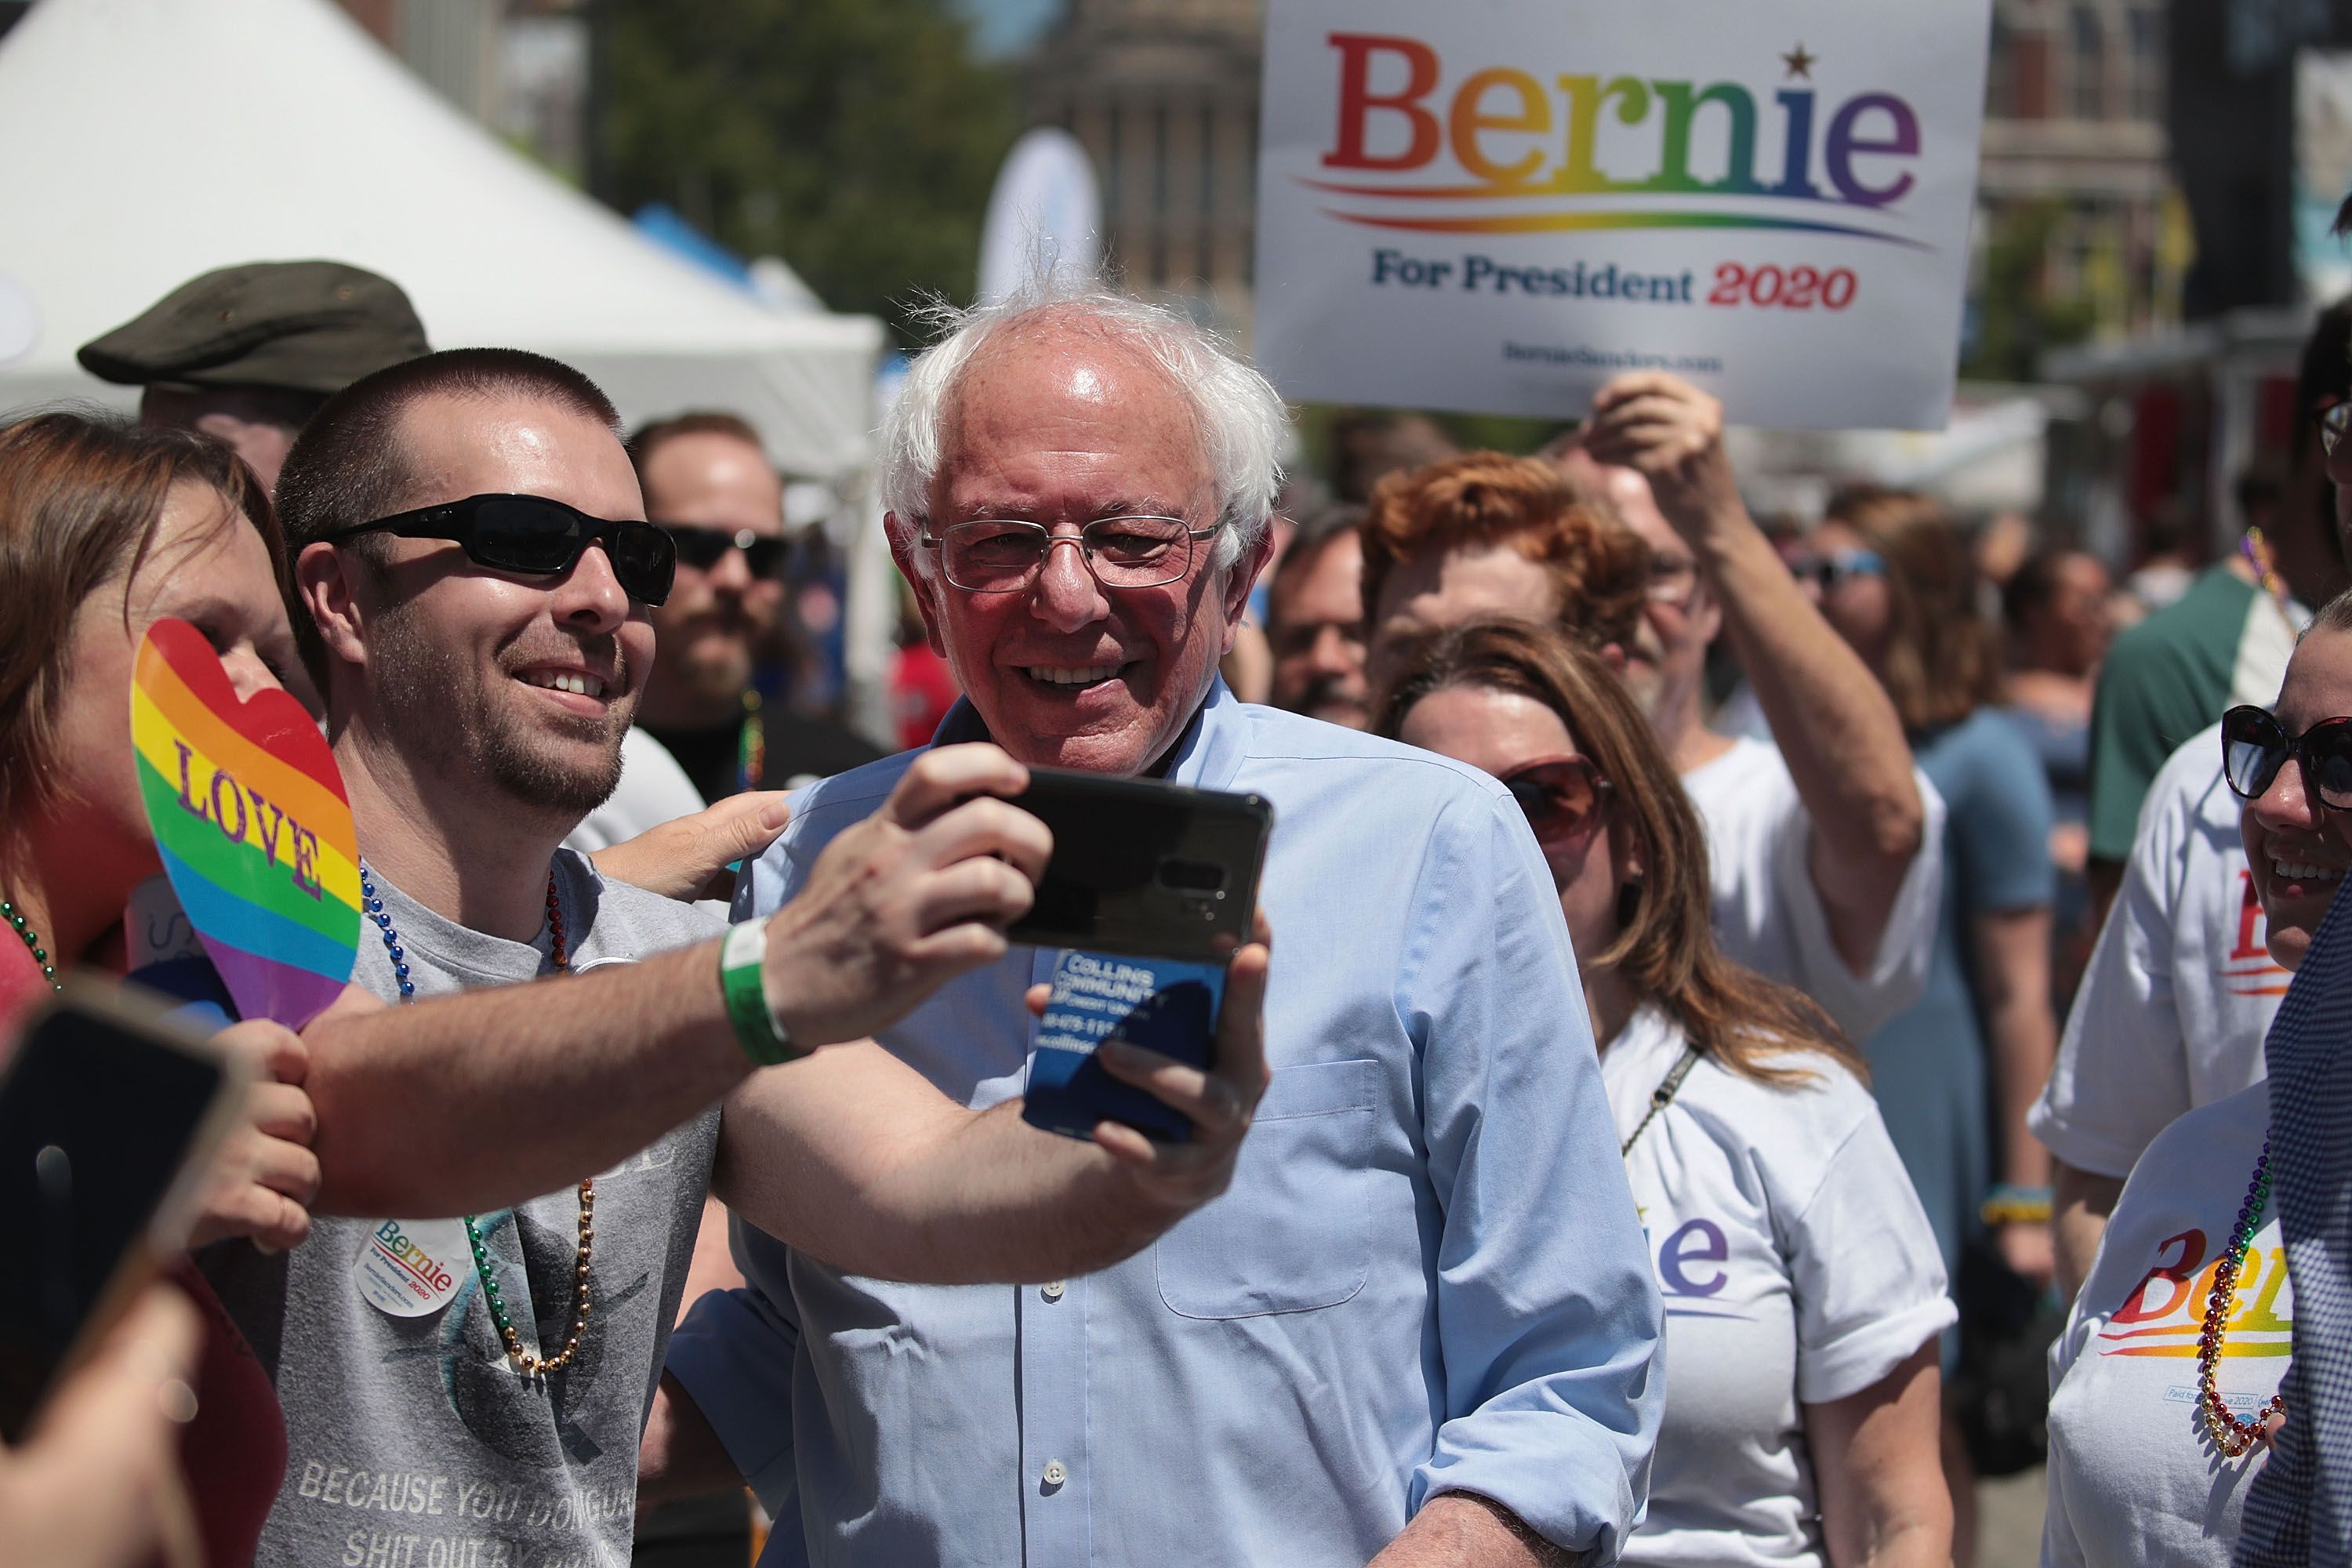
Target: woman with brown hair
104, 529
1802, 1290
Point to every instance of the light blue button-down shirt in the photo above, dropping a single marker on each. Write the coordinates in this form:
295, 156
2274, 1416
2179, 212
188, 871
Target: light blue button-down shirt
1427, 1274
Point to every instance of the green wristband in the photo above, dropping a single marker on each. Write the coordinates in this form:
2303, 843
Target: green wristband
742, 958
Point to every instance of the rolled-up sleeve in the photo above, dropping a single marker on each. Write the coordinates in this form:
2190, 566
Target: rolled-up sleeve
1549, 1317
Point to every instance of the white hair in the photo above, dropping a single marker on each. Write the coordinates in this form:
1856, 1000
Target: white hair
1241, 417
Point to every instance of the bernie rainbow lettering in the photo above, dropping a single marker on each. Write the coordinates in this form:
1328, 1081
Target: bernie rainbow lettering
1535, 147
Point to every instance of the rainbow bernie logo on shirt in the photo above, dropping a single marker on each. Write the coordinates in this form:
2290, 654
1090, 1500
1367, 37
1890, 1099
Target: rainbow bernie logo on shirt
2164, 1313
252, 824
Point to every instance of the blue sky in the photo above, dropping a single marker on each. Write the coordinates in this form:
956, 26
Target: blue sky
1007, 26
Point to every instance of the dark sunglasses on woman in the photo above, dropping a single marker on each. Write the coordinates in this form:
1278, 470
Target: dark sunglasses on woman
2254, 746
703, 548
1827, 572
1562, 797
538, 537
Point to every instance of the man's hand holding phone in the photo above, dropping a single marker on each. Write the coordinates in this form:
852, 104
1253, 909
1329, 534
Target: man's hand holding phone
908, 899
1219, 1101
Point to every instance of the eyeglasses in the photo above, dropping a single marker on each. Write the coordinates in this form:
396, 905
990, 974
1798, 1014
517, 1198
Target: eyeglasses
2254, 747
1673, 580
2333, 420
1826, 572
992, 555
703, 548
1562, 797
539, 538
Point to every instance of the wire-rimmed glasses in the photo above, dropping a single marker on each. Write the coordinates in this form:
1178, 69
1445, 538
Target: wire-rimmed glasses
1002, 555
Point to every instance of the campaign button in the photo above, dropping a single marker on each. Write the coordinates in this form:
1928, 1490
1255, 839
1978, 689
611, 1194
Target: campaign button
412, 1268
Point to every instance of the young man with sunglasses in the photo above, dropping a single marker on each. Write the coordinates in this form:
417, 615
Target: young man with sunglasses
478, 576
1419, 1328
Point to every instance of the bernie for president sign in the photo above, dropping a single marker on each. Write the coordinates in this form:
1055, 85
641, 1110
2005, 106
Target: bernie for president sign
1497, 206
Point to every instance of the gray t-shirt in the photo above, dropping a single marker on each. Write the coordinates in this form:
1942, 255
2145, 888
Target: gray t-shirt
412, 1441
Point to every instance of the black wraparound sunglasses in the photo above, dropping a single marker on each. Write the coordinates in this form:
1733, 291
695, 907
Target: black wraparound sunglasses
538, 537
703, 548
2254, 746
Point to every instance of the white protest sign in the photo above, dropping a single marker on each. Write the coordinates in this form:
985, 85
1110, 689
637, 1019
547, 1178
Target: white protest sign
1496, 206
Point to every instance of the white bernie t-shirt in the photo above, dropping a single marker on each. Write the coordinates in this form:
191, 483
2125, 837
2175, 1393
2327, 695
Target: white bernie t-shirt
2181, 989
2136, 1481
1798, 1268
1767, 913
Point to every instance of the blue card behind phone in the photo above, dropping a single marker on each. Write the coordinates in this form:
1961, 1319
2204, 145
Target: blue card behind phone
1165, 1004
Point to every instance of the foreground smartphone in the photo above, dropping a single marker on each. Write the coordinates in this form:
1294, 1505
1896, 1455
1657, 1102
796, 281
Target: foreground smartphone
1151, 889
108, 1122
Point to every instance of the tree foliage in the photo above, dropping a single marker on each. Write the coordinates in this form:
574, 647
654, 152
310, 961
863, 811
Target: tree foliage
856, 138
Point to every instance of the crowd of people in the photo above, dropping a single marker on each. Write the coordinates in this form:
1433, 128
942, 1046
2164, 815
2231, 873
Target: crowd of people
1640, 1128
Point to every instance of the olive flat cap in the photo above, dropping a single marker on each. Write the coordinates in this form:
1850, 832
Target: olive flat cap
308, 326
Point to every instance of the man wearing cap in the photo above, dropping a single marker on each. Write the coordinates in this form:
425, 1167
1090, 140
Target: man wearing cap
247, 353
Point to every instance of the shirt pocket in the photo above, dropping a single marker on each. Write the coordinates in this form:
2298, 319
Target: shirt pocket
1293, 1233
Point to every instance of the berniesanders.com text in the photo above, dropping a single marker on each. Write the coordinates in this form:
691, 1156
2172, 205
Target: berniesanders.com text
1585, 357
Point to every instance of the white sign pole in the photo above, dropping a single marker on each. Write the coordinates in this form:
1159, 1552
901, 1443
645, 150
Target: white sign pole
1497, 206
1045, 216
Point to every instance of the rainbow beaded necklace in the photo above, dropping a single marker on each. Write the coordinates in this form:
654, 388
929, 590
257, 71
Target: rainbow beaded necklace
2234, 1437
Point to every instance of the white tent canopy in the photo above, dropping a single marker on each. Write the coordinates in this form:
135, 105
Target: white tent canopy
153, 140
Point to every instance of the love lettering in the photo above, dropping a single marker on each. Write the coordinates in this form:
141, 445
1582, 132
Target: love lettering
1519, 134
243, 815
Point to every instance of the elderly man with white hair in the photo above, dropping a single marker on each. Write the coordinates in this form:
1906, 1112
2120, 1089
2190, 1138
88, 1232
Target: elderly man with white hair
1420, 1327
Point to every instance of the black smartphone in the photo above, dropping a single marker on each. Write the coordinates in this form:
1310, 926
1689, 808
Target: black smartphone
1143, 867
108, 1121
1151, 889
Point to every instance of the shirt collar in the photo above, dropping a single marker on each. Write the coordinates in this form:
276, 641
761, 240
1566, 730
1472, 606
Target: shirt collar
1207, 755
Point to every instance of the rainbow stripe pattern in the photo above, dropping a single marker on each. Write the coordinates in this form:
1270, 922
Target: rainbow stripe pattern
252, 824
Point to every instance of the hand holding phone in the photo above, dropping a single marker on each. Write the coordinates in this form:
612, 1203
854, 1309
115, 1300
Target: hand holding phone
1217, 1101
110, 1122
97, 1484
1151, 890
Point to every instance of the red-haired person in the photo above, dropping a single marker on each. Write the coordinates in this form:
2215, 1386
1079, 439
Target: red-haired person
1803, 1290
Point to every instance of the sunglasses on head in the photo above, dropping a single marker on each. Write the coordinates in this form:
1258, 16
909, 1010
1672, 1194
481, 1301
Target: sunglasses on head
703, 548
1828, 571
2254, 746
1562, 797
538, 537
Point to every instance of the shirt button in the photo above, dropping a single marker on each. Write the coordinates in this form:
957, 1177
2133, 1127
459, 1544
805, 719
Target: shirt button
1053, 1292
1054, 1473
